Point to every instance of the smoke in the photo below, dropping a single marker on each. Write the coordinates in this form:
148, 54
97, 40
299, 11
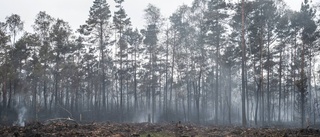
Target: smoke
21, 117
145, 116
140, 118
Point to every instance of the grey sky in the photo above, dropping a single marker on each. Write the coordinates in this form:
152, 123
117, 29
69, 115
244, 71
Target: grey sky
76, 11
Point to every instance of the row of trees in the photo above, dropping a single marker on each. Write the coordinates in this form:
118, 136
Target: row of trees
186, 67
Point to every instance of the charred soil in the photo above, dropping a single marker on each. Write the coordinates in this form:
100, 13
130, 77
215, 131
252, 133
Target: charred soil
71, 128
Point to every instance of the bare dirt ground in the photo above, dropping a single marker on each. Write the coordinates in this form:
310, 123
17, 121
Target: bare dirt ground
71, 128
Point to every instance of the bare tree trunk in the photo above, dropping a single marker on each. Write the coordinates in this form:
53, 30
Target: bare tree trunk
172, 67
121, 85
45, 86
257, 101
244, 121
302, 88
217, 86
135, 80
4, 89
229, 95
102, 64
153, 89
196, 88
316, 96
188, 101
34, 99
268, 82
280, 85
165, 105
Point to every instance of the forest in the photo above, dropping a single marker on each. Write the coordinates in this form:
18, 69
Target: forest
253, 63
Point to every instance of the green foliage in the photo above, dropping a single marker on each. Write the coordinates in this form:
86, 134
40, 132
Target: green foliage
306, 20
42, 24
120, 19
14, 24
99, 13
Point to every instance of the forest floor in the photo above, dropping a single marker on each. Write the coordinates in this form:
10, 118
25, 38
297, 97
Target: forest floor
71, 128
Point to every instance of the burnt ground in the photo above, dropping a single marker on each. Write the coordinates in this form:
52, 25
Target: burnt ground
71, 128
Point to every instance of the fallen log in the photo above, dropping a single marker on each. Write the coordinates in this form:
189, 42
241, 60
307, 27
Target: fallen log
61, 120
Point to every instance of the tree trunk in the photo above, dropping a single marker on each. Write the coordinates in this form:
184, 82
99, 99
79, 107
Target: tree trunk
302, 88
280, 85
172, 67
165, 105
257, 102
217, 82
229, 95
268, 82
103, 88
4, 95
135, 80
34, 98
244, 121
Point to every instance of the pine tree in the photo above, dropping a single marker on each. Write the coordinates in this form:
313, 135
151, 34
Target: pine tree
14, 25
134, 38
243, 58
42, 25
59, 35
308, 36
121, 22
4, 39
153, 20
98, 26
215, 16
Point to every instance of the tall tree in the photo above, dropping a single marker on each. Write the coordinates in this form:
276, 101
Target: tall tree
60, 33
99, 28
121, 22
134, 38
29, 67
215, 16
14, 25
308, 36
42, 25
282, 33
154, 21
180, 30
4, 39
243, 49
198, 50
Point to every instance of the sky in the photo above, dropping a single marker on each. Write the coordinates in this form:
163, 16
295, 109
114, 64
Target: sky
76, 11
